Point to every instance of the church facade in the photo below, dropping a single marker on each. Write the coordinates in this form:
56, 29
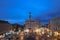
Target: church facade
32, 24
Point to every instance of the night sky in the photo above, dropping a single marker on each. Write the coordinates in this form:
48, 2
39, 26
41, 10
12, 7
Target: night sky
16, 11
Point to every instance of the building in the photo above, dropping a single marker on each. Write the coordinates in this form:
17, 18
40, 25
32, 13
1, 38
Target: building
17, 27
47, 26
55, 24
4, 26
31, 24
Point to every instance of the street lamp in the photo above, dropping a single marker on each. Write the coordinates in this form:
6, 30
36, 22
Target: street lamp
56, 33
27, 30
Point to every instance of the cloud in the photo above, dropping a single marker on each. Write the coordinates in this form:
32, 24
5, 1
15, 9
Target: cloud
15, 21
47, 17
52, 15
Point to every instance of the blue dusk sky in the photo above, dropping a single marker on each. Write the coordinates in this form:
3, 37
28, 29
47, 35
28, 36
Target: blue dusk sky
17, 11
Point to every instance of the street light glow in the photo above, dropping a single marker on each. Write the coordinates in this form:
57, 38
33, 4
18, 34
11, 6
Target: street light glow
27, 30
56, 33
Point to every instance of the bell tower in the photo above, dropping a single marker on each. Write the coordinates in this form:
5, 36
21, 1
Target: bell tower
31, 24
30, 16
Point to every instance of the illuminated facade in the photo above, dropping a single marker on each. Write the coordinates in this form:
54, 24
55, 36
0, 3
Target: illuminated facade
4, 26
31, 23
55, 24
